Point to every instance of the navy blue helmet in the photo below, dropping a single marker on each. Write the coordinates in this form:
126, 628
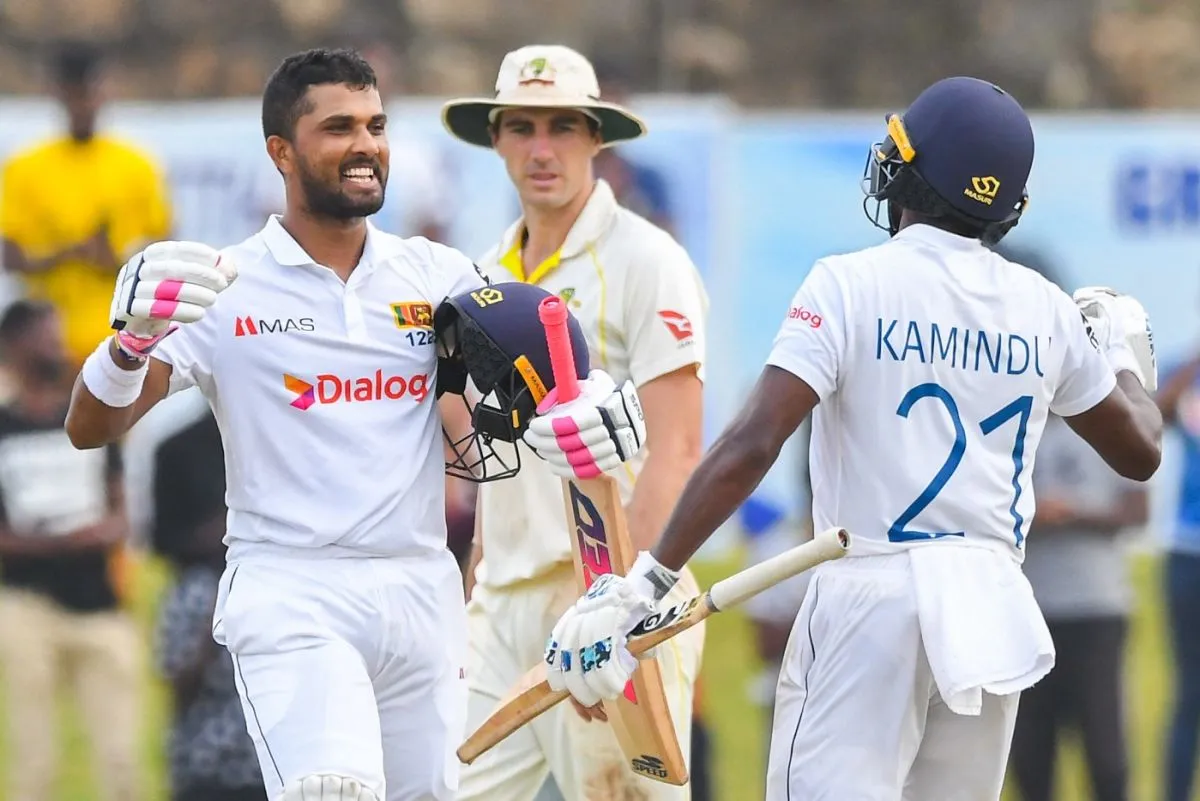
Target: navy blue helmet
492, 352
963, 150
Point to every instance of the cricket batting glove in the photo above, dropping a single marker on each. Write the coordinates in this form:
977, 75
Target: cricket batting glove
592, 434
164, 285
1122, 331
587, 654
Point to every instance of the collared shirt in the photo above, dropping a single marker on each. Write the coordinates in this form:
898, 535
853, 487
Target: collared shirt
642, 306
937, 362
324, 394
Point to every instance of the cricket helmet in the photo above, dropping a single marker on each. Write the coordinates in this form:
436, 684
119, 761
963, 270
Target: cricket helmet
492, 352
963, 150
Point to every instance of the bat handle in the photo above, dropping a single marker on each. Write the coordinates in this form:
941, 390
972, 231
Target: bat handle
552, 311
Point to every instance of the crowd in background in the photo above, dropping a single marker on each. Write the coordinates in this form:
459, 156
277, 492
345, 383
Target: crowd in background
75, 207
1050, 53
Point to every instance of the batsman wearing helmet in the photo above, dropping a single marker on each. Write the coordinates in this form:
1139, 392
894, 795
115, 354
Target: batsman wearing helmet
642, 308
930, 364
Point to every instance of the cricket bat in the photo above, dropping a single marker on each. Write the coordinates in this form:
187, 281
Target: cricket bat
640, 718
532, 695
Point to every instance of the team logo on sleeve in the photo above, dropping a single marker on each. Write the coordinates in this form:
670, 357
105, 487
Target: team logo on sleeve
805, 315
679, 325
413, 314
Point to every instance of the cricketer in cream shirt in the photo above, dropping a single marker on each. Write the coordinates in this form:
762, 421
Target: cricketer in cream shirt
642, 305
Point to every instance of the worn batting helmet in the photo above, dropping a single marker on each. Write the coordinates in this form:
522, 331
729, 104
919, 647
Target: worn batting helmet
492, 352
963, 150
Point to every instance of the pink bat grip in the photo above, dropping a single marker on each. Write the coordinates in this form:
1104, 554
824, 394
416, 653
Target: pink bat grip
553, 313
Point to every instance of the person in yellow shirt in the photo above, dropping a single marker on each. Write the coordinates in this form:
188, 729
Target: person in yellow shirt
74, 208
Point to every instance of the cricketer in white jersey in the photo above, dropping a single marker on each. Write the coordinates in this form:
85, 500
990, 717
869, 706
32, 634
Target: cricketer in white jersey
314, 343
931, 363
642, 308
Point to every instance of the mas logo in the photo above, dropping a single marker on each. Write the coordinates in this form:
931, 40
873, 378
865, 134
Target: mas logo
413, 314
252, 327
329, 388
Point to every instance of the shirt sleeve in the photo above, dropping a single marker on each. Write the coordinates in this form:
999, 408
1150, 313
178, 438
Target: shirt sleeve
189, 351
811, 343
666, 310
457, 272
1086, 377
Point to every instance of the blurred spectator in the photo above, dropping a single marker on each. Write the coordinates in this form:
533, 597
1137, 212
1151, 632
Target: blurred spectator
1080, 579
1179, 399
61, 512
76, 207
637, 187
211, 755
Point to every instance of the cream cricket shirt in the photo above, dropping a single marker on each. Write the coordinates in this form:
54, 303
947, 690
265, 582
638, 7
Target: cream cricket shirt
324, 393
642, 306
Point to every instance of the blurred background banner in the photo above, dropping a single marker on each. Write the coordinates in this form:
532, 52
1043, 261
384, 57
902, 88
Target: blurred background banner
754, 197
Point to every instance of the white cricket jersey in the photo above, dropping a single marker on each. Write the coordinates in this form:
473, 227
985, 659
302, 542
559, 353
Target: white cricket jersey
642, 306
936, 362
324, 393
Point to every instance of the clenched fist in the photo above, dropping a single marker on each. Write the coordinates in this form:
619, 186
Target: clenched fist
1122, 331
166, 284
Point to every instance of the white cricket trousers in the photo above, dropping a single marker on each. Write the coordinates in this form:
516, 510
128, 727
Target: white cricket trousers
350, 666
508, 631
858, 716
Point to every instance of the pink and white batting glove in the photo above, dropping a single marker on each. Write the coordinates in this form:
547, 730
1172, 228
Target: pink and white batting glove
592, 434
165, 284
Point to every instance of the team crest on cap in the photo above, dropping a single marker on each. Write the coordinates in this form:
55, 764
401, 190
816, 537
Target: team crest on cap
537, 70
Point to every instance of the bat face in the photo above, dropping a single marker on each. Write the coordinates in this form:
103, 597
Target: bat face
591, 534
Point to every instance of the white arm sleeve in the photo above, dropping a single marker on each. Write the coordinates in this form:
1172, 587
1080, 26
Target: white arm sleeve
1086, 377
811, 343
666, 311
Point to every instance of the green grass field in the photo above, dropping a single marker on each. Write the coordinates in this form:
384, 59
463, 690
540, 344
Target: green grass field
739, 728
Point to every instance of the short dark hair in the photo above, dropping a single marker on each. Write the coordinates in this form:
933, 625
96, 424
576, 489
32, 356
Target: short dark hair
20, 316
76, 64
283, 99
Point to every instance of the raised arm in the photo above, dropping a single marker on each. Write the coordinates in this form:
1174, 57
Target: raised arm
168, 285
1125, 425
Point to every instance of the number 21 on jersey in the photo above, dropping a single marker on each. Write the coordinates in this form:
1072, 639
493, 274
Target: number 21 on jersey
1021, 408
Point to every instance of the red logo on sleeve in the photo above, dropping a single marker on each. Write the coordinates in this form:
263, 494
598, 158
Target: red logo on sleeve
805, 316
679, 326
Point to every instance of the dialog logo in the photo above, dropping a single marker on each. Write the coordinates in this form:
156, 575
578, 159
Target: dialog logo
329, 388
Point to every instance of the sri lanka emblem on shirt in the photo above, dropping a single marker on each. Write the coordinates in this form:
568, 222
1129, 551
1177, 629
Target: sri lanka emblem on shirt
413, 314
